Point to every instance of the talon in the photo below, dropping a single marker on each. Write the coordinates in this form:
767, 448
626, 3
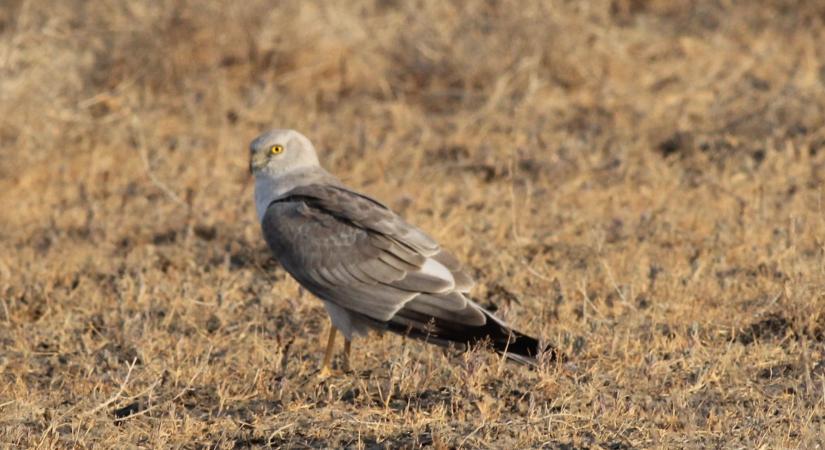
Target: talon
324, 373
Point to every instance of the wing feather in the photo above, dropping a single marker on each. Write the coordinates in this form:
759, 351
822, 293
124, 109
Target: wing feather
354, 252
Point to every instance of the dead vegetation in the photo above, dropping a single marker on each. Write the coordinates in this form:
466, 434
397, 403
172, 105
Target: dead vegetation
640, 182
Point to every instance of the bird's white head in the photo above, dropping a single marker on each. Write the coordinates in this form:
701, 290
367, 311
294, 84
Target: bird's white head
282, 160
281, 152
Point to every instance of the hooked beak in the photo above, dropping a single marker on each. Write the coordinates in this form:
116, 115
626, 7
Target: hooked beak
257, 161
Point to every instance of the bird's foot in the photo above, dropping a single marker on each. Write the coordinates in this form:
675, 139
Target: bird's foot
327, 372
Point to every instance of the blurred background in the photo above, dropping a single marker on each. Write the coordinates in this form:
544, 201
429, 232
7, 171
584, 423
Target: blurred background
639, 181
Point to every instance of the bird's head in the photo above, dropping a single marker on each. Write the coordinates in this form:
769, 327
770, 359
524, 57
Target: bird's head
279, 152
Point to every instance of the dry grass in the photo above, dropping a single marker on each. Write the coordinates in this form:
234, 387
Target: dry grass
638, 181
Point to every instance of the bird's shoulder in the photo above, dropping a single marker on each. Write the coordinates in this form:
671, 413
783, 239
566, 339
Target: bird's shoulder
338, 201
326, 202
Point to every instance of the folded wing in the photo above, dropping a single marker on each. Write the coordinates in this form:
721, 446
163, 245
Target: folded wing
351, 250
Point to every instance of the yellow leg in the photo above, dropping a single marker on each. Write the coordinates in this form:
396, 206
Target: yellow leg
347, 351
325, 370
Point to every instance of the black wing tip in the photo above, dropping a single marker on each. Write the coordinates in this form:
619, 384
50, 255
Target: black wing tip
513, 344
525, 348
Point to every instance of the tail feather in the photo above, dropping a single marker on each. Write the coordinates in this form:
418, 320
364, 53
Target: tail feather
513, 344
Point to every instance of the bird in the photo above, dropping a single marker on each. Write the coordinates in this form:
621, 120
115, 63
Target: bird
371, 269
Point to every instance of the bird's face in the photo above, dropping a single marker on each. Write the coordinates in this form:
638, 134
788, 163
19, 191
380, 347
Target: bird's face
278, 152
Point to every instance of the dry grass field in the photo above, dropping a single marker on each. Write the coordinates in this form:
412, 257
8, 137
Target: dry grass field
637, 181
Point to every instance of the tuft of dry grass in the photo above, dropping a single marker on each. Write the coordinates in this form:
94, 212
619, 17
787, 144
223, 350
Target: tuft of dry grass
638, 181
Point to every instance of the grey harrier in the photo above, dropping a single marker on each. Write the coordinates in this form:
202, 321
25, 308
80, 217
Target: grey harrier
371, 269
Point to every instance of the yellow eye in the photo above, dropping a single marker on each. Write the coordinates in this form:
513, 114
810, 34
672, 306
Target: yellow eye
275, 149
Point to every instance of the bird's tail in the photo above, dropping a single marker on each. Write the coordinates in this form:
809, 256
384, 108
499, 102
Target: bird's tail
513, 344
